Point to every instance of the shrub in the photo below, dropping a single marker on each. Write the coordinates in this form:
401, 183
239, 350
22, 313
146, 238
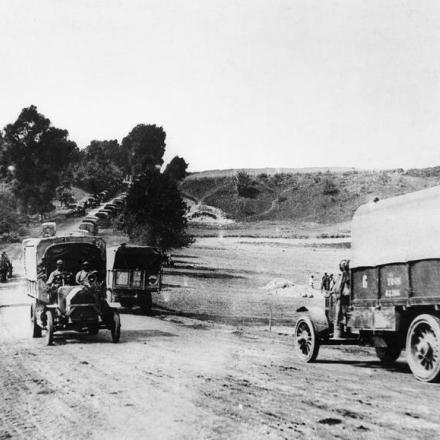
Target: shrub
330, 187
245, 185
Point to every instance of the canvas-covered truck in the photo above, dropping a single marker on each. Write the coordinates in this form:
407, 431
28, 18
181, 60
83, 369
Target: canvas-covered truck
133, 274
391, 299
61, 300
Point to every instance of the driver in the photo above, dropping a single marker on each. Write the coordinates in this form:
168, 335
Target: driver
57, 276
82, 275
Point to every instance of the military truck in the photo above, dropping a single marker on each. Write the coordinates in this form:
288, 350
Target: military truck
393, 297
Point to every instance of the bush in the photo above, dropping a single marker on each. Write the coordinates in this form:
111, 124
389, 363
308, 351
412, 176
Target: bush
245, 185
330, 187
9, 237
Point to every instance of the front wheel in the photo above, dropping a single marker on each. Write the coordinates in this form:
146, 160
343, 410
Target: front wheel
116, 327
306, 340
423, 348
49, 328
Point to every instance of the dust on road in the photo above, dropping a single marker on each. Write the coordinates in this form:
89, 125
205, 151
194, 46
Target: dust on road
178, 378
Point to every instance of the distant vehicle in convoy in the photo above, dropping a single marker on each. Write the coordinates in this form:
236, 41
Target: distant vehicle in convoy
92, 202
133, 274
103, 218
112, 207
48, 229
79, 210
59, 301
393, 302
90, 227
119, 201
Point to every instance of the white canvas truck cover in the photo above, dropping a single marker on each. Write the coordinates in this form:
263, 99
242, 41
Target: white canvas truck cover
397, 230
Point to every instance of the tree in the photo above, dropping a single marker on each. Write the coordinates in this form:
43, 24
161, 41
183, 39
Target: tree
155, 212
102, 166
176, 169
40, 156
144, 147
64, 194
106, 152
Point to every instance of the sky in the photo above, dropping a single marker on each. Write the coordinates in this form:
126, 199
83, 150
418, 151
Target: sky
234, 83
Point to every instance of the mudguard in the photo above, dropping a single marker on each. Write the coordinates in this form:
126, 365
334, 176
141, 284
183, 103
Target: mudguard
319, 319
110, 303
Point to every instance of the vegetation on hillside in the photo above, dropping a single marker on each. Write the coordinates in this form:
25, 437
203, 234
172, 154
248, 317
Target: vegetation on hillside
329, 197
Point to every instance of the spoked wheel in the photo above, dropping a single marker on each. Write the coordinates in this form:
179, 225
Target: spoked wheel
388, 355
36, 329
49, 328
306, 340
423, 348
116, 327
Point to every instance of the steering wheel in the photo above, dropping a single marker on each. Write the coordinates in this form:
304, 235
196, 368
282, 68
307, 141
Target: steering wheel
92, 277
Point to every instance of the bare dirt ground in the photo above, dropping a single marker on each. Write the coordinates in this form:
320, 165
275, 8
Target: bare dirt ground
205, 365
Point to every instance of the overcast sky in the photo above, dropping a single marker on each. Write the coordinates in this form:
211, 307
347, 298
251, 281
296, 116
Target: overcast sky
234, 83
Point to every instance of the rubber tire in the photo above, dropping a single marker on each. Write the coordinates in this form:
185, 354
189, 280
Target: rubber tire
49, 328
146, 303
36, 329
116, 327
433, 323
304, 323
389, 355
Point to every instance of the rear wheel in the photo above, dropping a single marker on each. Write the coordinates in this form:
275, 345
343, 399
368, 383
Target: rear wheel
49, 328
116, 327
36, 329
306, 340
388, 355
423, 348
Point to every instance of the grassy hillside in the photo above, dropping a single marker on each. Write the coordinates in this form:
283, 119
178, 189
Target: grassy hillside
323, 197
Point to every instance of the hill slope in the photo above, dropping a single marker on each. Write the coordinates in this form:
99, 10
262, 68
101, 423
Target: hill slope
323, 197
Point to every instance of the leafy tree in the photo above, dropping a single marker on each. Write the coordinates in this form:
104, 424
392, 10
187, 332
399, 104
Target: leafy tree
40, 155
64, 194
102, 166
95, 176
176, 169
144, 147
106, 152
155, 212
10, 220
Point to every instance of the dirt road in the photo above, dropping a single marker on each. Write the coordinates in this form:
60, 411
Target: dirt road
179, 378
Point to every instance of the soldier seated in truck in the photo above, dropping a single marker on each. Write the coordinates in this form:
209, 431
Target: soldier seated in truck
82, 275
59, 276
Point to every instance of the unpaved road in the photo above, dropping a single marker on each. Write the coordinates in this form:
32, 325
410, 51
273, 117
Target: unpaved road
179, 378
